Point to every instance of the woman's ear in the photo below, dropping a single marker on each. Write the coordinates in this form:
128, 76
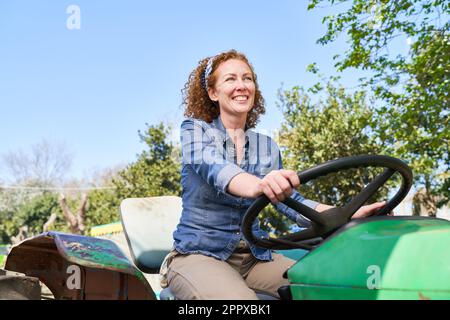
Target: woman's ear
212, 95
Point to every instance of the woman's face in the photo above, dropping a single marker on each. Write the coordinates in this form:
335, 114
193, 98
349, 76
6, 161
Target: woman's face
234, 88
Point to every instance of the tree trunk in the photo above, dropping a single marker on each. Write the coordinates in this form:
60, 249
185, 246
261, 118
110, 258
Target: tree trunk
75, 222
424, 204
22, 235
49, 222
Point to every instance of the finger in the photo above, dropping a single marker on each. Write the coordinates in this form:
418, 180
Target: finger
276, 189
292, 177
284, 184
269, 193
375, 208
376, 205
363, 213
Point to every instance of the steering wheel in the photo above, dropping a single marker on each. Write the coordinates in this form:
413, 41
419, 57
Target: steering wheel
325, 223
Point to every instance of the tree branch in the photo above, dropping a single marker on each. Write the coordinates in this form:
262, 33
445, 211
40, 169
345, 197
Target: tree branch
81, 212
70, 218
49, 222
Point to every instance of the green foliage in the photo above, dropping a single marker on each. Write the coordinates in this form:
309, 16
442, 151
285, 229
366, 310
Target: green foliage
21, 207
412, 88
335, 126
274, 223
156, 171
35, 213
2, 260
6, 226
102, 208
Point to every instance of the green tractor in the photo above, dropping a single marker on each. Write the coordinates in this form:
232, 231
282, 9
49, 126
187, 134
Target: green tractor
381, 257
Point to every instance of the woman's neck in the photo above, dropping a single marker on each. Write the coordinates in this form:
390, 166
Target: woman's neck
233, 123
235, 128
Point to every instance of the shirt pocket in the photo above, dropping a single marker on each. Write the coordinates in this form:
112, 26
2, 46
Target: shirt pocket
215, 199
265, 165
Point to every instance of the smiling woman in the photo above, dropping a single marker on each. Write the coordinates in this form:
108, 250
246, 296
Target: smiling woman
196, 93
234, 89
225, 164
223, 103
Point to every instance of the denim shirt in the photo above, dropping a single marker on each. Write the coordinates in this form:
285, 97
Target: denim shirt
211, 218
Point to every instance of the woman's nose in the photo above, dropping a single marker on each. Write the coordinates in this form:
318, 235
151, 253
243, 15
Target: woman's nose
240, 85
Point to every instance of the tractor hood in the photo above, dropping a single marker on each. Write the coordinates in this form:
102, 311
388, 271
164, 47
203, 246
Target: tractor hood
378, 258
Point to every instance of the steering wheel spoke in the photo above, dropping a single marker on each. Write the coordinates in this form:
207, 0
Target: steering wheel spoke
306, 234
361, 198
306, 211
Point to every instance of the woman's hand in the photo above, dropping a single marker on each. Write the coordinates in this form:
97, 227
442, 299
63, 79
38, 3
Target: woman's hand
278, 185
366, 211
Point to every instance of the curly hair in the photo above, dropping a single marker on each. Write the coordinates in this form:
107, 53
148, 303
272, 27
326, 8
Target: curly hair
197, 103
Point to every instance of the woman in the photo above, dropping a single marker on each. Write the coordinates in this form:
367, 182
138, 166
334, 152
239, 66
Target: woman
225, 166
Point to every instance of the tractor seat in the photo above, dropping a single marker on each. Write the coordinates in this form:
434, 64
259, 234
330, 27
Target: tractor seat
148, 224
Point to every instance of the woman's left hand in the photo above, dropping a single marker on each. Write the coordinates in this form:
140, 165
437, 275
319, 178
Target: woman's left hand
366, 211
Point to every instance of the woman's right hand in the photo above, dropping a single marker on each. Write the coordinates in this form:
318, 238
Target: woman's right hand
278, 185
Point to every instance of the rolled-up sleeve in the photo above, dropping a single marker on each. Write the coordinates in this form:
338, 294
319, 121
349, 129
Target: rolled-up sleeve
201, 150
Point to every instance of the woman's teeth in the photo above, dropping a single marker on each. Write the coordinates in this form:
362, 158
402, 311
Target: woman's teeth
240, 98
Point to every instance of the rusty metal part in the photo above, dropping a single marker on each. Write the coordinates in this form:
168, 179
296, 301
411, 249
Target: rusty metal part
17, 286
79, 268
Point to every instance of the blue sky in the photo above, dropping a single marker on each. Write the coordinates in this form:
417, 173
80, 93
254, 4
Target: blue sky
95, 87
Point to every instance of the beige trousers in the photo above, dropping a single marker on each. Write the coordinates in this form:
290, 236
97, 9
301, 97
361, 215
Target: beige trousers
199, 277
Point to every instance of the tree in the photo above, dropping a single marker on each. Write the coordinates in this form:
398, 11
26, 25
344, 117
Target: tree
274, 223
28, 203
75, 221
412, 88
102, 207
102, 202
45, 165
156, 172
6, 216
34, 214
334, 126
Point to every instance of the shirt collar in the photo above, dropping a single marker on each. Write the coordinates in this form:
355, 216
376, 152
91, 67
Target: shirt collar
217, 123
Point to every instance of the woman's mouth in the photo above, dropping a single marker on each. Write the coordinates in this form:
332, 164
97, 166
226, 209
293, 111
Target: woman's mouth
240, 98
